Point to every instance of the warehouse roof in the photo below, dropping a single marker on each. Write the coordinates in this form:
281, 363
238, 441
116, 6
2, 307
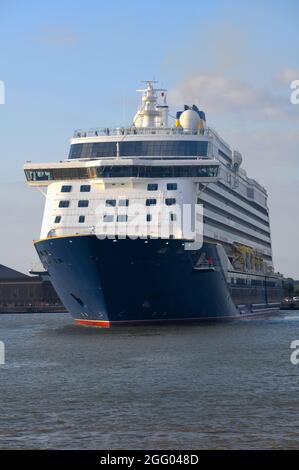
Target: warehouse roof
8, 273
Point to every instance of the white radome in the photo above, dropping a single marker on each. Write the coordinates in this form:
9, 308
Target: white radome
190, 120
237, 158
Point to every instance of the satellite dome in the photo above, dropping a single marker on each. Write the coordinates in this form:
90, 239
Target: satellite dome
237, 158
190, 120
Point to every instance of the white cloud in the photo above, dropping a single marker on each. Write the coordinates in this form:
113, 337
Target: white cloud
58, 36
267, 150
286, 76
220, 95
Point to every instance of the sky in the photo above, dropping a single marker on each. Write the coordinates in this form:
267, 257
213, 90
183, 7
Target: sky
76, 64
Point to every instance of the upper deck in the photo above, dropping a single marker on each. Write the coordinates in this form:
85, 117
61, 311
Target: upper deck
150, 139
161, 143
138, 131
154, 134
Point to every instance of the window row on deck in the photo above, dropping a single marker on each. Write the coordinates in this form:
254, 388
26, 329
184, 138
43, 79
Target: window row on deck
123, 171
170, 201
117, 218
150, 187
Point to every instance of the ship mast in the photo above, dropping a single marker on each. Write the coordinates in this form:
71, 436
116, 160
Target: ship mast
150, 114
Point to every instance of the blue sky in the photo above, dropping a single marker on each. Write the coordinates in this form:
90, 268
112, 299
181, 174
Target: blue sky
73, 64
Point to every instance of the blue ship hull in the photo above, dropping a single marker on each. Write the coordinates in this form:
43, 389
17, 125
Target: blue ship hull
104, 282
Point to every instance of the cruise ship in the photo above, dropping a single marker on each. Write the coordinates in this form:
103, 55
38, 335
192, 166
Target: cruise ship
155, 222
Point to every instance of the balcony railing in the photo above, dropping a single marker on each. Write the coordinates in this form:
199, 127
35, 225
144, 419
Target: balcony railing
123, 131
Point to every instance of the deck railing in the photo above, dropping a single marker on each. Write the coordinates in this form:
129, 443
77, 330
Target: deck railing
123, 131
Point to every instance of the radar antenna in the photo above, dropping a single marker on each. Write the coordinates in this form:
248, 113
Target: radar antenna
150, 114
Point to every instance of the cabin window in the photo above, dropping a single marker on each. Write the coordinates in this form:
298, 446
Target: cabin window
152, 187
108, 218
81, 219
173, 217
83, 203
250, 193
122, 218
66, 189
57, 219
85, 188
172, 186
64, 203
110, 203
123, 202
149, 217
151, 202
170, 201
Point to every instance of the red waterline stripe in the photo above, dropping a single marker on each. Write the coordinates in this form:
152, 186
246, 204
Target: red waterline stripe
99, 323
108, 324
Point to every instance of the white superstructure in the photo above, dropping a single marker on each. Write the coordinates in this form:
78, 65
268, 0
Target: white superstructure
156, 169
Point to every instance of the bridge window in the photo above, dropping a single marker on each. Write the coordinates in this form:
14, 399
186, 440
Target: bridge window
143, 171
39, 175
123, 171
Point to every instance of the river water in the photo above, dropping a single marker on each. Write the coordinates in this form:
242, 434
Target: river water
218, 386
